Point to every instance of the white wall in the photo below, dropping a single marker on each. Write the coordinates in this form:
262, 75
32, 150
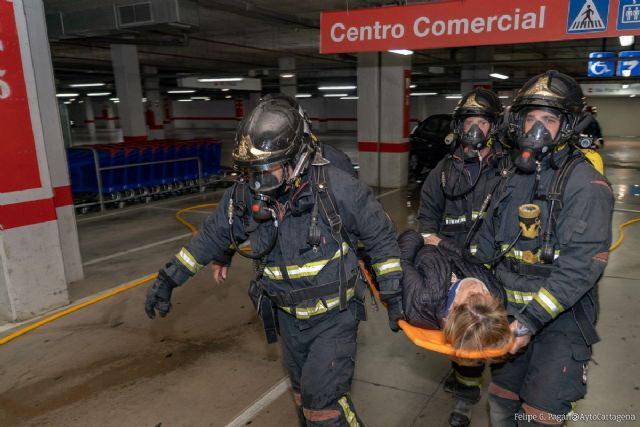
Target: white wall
618, 116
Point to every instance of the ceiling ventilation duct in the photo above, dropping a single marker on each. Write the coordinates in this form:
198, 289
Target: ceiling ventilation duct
112, 19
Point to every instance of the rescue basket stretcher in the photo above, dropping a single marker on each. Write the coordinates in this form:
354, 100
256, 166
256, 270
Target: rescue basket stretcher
432, 339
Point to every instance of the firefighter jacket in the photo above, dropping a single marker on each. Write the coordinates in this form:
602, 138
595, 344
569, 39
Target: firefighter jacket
428, 273
293, 264
538, 292
451, 211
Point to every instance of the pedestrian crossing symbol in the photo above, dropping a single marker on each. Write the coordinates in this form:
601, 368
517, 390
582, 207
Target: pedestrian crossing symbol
587, 16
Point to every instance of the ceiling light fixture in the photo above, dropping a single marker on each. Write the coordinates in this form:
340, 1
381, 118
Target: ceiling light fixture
200, 98
185, 100
503, 97
303, 95
287, 75
632, 96
221, 79
499, 76
349, 97
67, 95
99, 94
114, 99
625, 86
335, 95
424, 93
228, 97
336, 88
181, 91
405, 52
626, 40
225, 89
454, 96
87, 84
413, 86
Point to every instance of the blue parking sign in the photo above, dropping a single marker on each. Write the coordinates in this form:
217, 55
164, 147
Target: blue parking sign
628, 15
587, 16
601, 64
629, 67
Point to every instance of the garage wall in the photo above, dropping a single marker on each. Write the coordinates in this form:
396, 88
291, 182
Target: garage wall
337, 114
204, 114
618, 116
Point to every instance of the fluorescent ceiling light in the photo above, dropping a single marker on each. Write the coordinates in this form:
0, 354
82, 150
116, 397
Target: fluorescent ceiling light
181, 91
185, 100
200, 98
87, 84
287, 75
144, 99
335, 95
221, 79
402, 51
424, 93
625, 86
226, 89
632, 96
67, 95
67, 102
114, 99
303, 95
503, 97
228, 97
337, 88
626, 40
499, 76
349, 97
115, 102
72, 99
413, 86
99, 94
454, 97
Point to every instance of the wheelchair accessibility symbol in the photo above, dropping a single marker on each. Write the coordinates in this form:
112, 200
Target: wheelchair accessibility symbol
600, 68
601, 64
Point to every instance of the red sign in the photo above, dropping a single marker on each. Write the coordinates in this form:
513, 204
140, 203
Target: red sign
19, 160
467, 23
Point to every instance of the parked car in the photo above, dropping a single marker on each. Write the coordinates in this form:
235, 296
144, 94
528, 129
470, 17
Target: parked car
427, 144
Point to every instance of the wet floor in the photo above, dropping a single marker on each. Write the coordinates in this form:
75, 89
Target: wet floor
207, 363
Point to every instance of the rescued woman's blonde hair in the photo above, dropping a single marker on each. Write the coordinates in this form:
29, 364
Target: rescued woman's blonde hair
477, 324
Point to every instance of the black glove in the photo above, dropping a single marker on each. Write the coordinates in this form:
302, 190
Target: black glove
395, 312
159, 296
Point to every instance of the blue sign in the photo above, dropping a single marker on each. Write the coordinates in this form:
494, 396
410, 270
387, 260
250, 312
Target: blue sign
629, 67
628, 15
602, 64
587, 16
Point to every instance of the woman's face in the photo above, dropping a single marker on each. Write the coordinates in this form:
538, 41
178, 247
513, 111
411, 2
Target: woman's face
468, 288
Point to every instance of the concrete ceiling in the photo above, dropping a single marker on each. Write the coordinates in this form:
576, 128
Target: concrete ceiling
248, 37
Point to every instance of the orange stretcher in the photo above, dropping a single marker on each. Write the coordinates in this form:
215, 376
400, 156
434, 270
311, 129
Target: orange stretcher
432, 339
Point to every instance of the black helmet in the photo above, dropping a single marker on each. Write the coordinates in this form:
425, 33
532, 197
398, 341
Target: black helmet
273, 134
478, 102
556, 93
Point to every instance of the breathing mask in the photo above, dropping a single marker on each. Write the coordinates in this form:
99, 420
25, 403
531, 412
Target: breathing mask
535, 143
472, 142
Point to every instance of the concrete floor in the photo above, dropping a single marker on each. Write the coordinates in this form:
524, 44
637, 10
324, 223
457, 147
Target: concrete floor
207, 364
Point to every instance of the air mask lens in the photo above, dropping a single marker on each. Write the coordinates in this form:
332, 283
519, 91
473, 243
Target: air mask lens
264, 181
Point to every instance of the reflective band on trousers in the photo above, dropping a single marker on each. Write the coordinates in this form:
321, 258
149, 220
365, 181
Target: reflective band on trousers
468, 381
352, 420
451, 220
322, 306
542, 297
189, 261
388, 266
306, 270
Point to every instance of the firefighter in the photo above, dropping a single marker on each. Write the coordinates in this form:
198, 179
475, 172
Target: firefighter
302, 216
547, 236
454, 198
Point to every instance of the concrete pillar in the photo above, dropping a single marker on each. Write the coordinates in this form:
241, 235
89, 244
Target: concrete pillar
383, 118
89, 116
477, 76
127, 74
39, 251
168, 114
65, 124
288, 85
155, 106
